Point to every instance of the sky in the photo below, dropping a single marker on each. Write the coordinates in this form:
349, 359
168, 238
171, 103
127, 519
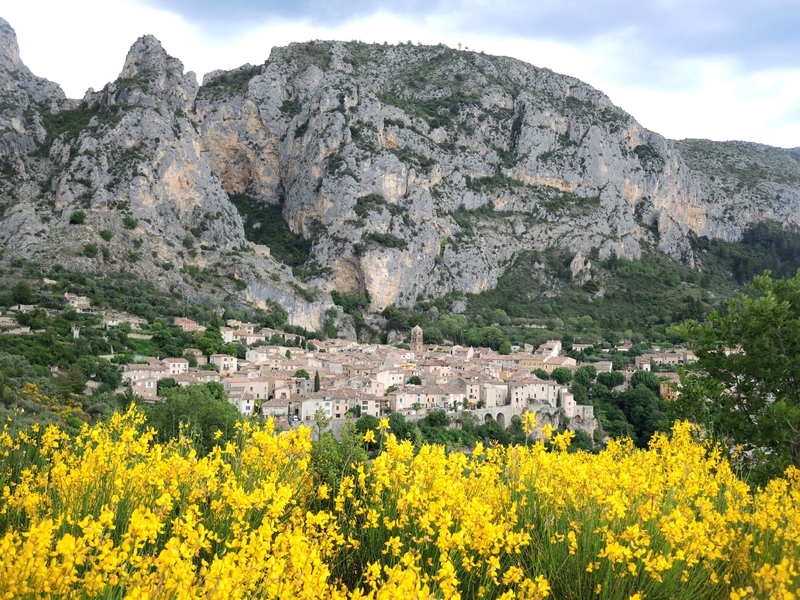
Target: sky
716, 69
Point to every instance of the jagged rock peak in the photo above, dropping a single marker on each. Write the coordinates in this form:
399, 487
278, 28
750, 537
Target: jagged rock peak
9, 49
17, 79
146, 55
150, 77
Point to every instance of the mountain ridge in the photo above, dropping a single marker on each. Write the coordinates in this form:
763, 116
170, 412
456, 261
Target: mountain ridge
406, 170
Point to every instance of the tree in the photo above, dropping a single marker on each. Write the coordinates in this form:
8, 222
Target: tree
491, 337
505, 348
396, 318
561, 375
211, 342
618, 361
749, 392
35, 319
541, 374
369, 423
73, 381
581, 441
433, 335
332, 461
437, 418
647, 379
302, 373
322, 421
611, 380
165, 384
316, 381
399, 426
414, 380
21, 293
203, 410
645, 412
585, 374
289, 354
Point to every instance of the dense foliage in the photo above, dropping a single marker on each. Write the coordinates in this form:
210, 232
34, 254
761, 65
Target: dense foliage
747, 390
264, 224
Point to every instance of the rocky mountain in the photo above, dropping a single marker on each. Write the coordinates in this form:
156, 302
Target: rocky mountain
404, 170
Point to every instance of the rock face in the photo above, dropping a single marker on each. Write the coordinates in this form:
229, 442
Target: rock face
125, 170
411, 169
425, 169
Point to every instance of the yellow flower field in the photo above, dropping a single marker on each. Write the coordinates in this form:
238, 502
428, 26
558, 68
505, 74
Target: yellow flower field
112, 514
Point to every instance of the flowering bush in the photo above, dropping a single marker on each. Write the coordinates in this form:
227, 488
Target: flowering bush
112, 513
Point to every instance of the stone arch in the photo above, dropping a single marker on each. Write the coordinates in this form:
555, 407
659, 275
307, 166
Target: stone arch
501, 420
488, 418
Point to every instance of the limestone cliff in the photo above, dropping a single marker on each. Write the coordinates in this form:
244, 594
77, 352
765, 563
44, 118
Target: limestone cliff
426, 169
408, 169
120, 181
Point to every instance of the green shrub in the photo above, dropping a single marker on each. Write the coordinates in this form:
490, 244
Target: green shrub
106, 235
264, 224
129, 222
77, 218
387, 240
290, 108
90, 250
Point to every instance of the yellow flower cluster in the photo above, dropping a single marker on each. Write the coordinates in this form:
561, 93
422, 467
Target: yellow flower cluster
113, 513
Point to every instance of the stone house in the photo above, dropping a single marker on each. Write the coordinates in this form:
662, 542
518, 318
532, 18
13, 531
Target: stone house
225, 364
276, 409
259, 387
176, 366
555, 362
493, 394
185, 324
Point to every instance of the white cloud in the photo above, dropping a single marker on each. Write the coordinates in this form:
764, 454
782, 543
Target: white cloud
83, 43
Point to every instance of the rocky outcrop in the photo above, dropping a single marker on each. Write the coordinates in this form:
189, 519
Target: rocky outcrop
130, 161
425, 169
410, 169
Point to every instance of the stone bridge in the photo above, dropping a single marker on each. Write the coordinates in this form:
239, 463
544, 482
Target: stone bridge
501, 414
545, 415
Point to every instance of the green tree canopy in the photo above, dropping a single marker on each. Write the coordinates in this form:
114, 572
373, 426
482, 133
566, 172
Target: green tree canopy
22, 293
491, 337
647, 379
201, 409
433, 335
561, 375
211, 342
611, 380
165, 384
749, 389
585, 374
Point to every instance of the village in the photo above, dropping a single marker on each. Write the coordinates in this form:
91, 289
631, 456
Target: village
342, 377
294, 384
